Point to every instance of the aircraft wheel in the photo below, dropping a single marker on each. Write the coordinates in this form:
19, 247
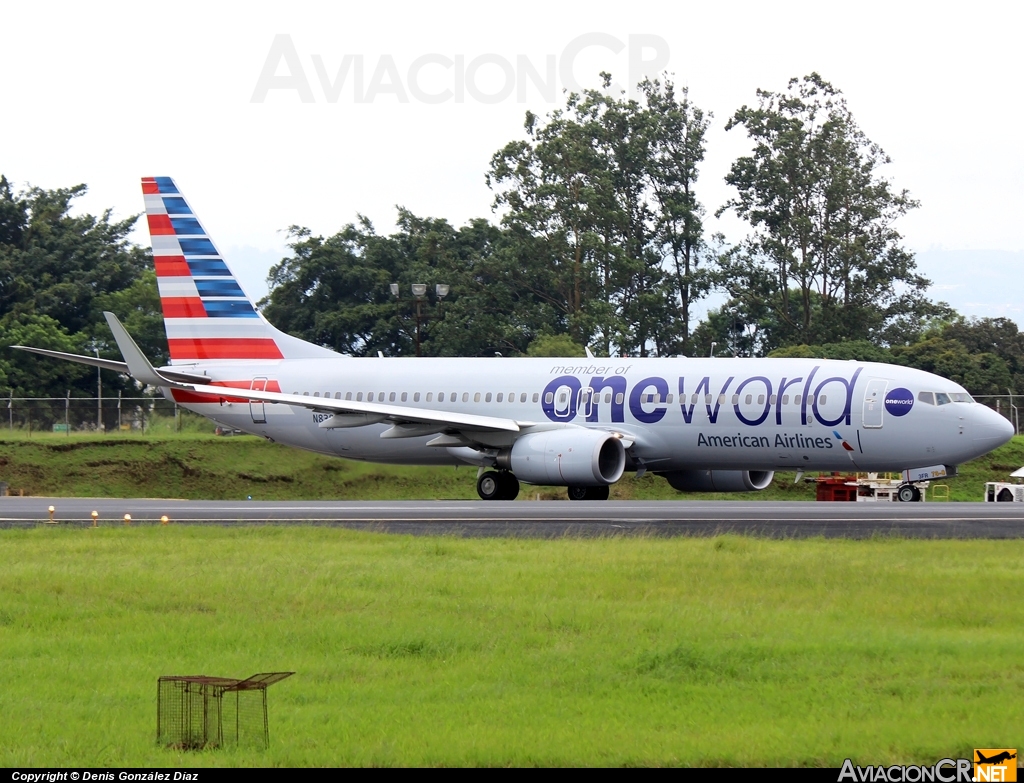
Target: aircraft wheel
509, 486
489, 486
588, 493
908, 493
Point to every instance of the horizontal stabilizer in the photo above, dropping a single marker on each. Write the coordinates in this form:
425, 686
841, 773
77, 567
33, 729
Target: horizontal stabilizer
111, 364
94, 361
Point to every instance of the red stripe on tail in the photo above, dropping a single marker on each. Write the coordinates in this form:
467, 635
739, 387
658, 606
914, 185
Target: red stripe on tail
224, 348
159, 225
183, 307
171, 266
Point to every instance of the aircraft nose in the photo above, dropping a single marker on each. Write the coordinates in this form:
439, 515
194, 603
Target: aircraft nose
990, 429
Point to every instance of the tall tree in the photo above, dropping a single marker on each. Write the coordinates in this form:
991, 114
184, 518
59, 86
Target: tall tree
58, 272
825, 258
604, 192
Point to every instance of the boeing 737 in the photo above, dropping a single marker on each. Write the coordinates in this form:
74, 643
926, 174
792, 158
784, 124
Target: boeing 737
717, 424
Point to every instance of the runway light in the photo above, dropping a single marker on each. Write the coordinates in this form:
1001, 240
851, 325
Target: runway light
127, 519
51, 510
164, 520
95, 515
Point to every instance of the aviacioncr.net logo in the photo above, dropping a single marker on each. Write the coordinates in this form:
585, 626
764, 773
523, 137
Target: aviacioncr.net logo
943, 771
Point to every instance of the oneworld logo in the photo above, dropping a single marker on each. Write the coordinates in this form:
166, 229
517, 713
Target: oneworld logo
433, 77
899, 402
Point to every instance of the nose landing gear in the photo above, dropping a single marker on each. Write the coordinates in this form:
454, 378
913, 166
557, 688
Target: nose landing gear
497, 485
908, 493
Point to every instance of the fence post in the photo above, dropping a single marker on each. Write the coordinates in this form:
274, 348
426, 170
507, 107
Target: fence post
119, 411
67, 420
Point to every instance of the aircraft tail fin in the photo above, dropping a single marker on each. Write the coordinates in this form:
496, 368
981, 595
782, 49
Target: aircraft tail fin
207, 315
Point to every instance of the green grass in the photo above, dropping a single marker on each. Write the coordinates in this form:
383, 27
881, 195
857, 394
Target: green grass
443, 651
200, 465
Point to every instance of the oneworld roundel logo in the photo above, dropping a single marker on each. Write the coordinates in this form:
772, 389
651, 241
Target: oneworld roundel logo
899, 402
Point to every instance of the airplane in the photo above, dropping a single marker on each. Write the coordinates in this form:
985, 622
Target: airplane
996, 759
714, 424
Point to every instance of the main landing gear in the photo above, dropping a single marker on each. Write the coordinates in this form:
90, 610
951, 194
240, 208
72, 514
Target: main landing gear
497, 485
588, 493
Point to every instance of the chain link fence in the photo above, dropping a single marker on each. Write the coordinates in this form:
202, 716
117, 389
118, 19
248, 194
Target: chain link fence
100, 414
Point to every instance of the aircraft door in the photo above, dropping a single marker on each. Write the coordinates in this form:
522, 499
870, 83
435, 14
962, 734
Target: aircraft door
874, 401
258, 410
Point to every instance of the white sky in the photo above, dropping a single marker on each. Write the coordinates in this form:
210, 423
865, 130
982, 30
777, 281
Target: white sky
104, 93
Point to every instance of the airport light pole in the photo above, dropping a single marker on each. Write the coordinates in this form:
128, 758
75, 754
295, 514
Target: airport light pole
419, 292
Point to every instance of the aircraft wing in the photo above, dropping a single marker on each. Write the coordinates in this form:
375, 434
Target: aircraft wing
393, 413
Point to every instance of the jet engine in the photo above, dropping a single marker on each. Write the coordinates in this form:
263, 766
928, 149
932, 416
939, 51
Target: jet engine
578, 457
719, 480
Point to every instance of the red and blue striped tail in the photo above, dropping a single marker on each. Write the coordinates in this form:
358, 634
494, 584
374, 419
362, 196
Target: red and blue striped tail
206, 313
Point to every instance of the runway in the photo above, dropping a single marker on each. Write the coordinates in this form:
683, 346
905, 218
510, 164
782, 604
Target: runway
550, 519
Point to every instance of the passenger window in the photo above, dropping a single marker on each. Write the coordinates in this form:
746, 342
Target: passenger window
391, 397
748, 400
536, 397
561, 398
440, 397
821, 400
499, 398
796, 400
415, 397
608, 397
735, 399
668, 400
381, 397
721, 399
772, 399
359, 397
453, 397
405, 396
316, 394
465, 397
941, 398
693, 400
348, 396
618, 398
760, 399
549, 398
305, 394
369, 397
707, 399
476, 397
785, 399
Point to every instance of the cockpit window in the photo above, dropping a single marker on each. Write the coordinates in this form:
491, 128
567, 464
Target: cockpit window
961, 397
928, 398
941, 398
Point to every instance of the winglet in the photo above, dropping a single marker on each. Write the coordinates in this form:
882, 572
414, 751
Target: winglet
138, 365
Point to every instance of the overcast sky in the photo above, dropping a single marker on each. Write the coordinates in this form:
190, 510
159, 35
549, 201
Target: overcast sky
104, 93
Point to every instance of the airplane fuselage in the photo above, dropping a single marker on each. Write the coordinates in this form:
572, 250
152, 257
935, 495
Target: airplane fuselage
749, 414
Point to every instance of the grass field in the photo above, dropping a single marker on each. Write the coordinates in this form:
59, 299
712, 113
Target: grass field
443, 651
194, 465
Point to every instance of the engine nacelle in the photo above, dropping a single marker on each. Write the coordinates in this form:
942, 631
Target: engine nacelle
719, 480
566, 457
